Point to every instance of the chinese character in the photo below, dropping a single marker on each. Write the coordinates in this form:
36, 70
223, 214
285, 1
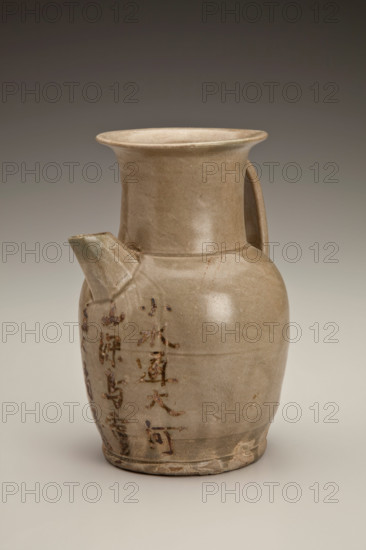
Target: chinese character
112, 318
156, 397
119, 431
152, 335
111, 345
157, 369
161, 436
114, 392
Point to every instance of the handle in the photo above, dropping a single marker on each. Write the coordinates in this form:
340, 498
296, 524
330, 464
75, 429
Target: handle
255, 218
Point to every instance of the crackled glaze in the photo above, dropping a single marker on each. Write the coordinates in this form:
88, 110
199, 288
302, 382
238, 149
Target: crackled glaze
167, 309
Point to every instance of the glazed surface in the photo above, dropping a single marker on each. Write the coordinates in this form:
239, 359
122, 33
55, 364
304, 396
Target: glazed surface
169, 358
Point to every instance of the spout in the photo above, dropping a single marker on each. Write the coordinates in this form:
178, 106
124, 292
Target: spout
108, 264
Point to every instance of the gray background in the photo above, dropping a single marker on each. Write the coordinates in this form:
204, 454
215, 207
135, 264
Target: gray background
165, 52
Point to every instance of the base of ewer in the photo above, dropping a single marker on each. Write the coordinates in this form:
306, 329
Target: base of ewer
238, 459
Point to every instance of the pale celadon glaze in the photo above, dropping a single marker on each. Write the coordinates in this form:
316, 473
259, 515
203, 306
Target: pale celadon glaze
182, 316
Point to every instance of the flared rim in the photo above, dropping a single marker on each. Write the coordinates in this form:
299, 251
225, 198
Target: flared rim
179, 137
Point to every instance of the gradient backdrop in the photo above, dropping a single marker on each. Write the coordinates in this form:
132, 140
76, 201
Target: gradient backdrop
295, 69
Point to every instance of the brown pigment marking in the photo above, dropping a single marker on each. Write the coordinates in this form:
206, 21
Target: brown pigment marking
119, 431
84, 328
114, 392
117, 425
112, 344
152, 335
101, 349
154, 307
167, 343
161, 435
156, 397
112, 318
157, 369
84, 324
168, 308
